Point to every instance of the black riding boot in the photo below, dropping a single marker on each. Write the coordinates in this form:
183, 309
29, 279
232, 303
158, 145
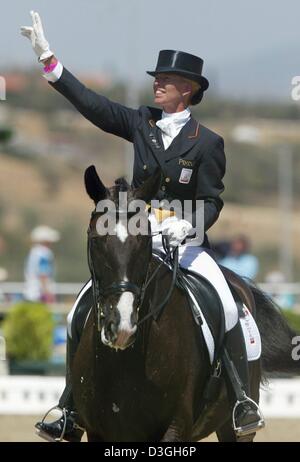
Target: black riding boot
246, 415
66, 427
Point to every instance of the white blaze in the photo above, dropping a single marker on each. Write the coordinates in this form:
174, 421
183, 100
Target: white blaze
121, 231
125, 308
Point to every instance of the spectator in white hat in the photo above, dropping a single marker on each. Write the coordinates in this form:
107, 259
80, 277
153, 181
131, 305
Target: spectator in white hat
39, 265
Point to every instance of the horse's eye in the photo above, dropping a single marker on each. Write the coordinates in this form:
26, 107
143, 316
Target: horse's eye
97, 240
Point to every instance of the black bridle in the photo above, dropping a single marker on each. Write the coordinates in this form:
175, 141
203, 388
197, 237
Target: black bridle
118, 287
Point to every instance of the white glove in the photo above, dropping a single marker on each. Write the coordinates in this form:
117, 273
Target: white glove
37, 37
177, 230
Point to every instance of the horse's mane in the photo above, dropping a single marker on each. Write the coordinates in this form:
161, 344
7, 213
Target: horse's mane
120, 185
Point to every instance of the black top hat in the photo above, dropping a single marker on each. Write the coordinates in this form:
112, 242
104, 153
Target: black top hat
185, 64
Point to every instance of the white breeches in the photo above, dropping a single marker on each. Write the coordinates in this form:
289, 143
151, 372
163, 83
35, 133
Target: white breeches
198, 260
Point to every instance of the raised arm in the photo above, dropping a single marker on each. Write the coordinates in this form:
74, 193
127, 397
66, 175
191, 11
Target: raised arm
105, 114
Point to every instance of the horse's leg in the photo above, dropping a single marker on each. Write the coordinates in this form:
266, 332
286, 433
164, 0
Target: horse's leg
180, 428
175, 434
93, 437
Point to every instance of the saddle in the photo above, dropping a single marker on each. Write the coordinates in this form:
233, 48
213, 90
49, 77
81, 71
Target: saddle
201, 293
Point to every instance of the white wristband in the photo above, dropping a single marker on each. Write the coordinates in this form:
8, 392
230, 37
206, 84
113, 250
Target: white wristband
55, 74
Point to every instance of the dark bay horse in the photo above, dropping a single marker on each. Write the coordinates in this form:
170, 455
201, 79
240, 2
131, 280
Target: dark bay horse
138, 379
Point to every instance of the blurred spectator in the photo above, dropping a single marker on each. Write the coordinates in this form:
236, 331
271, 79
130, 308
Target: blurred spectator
239, 259
220, 249
39, 266
284, 300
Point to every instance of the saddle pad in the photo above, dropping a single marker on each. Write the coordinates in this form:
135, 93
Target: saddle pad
249, 328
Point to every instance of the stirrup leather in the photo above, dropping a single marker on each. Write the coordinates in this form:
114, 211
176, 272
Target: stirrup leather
59, 439
251, 427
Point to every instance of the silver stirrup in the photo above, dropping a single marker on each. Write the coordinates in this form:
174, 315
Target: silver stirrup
45, 435
252, 427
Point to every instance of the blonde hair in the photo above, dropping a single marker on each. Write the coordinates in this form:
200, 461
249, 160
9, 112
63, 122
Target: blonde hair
195, 88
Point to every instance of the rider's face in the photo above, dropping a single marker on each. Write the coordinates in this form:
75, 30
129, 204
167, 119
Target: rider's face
171, 91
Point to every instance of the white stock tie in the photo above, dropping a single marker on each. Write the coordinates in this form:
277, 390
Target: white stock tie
171, 124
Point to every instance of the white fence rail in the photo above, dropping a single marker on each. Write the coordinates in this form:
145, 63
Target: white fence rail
72, 288
281, 399
10, 292
35, 395
61, 288
29, 395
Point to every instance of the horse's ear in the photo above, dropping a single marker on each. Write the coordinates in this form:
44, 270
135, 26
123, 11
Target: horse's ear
150, 187
93, 185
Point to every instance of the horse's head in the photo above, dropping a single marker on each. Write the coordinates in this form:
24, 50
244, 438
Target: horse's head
119, 247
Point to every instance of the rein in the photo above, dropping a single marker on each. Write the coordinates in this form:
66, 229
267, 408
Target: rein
172, 256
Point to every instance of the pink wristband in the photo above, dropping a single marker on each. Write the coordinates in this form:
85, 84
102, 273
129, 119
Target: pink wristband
50, 68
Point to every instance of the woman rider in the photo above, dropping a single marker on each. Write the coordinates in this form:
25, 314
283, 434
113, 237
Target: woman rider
192, 160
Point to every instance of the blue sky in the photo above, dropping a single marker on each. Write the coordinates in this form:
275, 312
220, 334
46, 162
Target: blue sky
250, 49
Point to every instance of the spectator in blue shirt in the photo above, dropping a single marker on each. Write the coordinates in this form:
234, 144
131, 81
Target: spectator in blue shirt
39, 265
239, 259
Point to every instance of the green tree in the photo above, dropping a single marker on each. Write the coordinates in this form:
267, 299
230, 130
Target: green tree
28, 330
5, 134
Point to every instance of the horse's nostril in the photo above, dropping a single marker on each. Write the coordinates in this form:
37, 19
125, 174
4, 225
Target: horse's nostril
112, 330
133, 319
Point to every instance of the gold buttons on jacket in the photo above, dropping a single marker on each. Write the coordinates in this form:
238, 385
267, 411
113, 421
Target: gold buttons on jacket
167, 180
163, 188
145, 167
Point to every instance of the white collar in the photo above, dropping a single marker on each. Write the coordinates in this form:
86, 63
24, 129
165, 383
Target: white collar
171, 124
182, 116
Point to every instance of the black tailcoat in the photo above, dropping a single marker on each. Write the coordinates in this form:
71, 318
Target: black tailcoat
196, 149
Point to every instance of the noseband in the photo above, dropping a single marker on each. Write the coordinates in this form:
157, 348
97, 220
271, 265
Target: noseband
119, 287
